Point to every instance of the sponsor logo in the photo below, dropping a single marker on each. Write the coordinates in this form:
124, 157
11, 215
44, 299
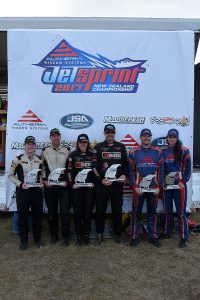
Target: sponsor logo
71, 70
129, 142
124, 120
108, 155
160, 142
183, 121
41, 145
30, 121
81, 164
76, 121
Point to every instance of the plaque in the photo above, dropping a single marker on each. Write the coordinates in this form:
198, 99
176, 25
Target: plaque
54, 176
169, 182
31, 178
145, 184
111, 173
81, 178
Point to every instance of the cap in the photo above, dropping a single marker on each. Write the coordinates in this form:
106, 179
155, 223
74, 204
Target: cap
54, 131
109, 127
173, 132
82, 138
30, 139
145, 131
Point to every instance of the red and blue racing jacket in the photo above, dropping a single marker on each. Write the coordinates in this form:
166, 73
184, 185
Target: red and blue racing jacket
143, 162
183, 168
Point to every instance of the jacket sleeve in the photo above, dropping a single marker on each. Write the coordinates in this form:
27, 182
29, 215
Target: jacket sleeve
132, 169
160, 171
186, 170
13, 173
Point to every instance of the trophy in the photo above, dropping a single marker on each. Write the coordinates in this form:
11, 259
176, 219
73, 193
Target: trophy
111, 173
81, 177
54, 176
31, 179
169, 182
145, 183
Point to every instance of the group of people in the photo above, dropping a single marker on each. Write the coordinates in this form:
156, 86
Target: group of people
88, 175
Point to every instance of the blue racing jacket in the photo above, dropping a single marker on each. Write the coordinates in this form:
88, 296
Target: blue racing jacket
143, 162
182, 168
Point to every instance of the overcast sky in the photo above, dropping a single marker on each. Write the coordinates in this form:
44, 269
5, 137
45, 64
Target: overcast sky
101, 8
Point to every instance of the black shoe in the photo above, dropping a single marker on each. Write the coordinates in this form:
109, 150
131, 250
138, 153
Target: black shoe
99, 239
163, 236
65, 242
155, 242
53, 240
38, 244
182, 244
86, 240
79, 241
23, 246
134, 243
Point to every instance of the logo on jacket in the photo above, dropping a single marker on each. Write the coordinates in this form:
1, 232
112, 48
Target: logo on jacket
71, 70
76, 121
110, 155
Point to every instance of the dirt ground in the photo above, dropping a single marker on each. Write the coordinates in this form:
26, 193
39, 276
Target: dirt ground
109, 271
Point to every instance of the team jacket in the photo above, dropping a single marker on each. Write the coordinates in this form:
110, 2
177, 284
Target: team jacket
79, 161
54, 158
143, 162
21, 166
109, 155
182, 168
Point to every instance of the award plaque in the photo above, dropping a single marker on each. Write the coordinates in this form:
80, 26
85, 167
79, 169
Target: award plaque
169, 181
81, 178
111, 173
31, 178
54, 176
145, 183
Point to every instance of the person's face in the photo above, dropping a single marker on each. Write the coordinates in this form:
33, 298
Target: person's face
83, 146
30, 148
110, 136
171, 139
55, 139
146, 140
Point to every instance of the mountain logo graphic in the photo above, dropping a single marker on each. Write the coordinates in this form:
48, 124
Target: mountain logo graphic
29, 117
71, 70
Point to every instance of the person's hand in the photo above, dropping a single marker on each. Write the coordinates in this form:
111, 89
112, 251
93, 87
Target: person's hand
75, 186
181, 185
64, 184
122, 178
46, 184
106, 182
24, 186
138, 192
157, 191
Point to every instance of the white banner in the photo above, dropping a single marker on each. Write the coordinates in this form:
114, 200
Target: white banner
78, 81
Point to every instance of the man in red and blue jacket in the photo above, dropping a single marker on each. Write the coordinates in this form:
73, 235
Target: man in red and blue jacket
145, 160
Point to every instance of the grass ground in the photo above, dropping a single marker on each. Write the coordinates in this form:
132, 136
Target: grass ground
109, 271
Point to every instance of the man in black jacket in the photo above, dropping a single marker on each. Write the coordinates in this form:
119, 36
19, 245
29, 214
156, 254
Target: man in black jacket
111, 157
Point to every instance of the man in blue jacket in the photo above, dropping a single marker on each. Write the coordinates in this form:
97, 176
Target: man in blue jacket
145, 162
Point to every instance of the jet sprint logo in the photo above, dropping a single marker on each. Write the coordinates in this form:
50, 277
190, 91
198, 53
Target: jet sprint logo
70, 70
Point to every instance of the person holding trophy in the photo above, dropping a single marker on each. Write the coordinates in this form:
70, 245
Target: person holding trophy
112, 170
81, 176
146, 179
177, 172
54, 174
25, 173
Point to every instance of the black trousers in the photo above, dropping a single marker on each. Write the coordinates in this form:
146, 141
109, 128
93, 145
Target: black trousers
26, 199
82, 200
53, 196
103, 193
